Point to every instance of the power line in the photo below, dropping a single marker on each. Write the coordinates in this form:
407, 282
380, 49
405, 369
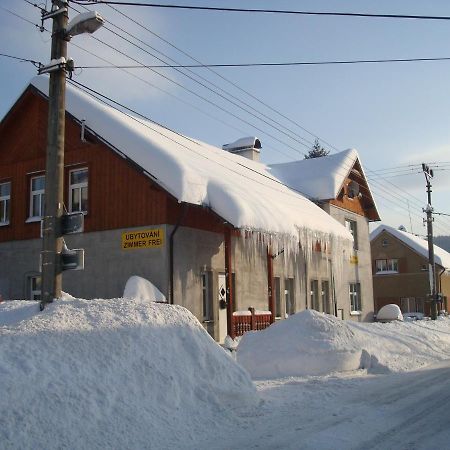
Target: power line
263, 11
32, 61
261, 130
274, 64
227, 80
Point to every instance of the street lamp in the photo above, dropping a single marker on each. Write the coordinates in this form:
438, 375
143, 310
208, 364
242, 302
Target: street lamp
54, 171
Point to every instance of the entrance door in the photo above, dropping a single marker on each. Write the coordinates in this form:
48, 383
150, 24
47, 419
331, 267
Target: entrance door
223, 323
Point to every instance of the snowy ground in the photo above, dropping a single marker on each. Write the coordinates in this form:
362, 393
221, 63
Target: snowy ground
134, 374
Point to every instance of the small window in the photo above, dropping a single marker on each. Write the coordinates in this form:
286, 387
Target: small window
78, 190
289, 295
314, 284
351, 226
387, 265
277, 293
35, 288
37, 197
355, 297
206, 297
5, 203
384, 243
326, 304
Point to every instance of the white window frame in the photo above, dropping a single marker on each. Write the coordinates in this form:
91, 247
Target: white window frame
352, 226
386, 266
207, 307
5, 205
35, 294
79, 187
355, 298
40, 193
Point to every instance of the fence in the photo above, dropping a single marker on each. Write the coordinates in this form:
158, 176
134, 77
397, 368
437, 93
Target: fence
244, 321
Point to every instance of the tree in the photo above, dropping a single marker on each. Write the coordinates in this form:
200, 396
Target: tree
317, 151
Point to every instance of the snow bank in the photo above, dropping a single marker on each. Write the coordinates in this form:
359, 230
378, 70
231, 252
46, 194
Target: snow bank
142, 289
307, 343
115, 373
312, 343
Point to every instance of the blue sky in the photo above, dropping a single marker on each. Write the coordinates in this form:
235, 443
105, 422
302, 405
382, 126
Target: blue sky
393, 114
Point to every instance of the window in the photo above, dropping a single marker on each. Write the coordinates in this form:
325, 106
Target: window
35, 288
78, 190
326, 297
387, 265
37, 196
315, 295
355, 297
277, 293
289, 295
351, 226
206, 297
5, 200
412, 304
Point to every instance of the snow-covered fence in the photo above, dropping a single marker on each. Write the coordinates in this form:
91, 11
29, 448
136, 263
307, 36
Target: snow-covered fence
252, 319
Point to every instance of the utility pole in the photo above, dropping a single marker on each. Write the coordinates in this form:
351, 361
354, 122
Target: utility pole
431, 266
55, 256
54, 170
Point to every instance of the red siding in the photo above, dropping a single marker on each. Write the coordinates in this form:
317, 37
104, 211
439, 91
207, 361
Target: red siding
120, 195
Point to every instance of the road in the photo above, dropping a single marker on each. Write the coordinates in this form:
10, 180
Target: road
350, 411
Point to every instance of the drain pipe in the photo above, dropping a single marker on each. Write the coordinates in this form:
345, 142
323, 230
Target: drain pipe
177, 225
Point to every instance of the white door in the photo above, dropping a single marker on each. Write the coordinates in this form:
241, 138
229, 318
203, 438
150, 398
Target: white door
223, 323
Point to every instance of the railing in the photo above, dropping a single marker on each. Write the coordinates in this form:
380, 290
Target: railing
244, 321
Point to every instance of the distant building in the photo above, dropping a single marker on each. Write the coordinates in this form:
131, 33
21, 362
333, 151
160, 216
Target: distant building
400, 270
213, 231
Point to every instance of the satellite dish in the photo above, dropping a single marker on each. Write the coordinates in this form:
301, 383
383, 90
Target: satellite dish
352, 189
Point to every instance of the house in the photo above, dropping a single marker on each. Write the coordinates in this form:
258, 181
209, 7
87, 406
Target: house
400, 270
214, 231
337, 183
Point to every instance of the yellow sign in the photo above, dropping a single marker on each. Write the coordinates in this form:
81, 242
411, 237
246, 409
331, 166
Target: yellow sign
353, 259
152, 238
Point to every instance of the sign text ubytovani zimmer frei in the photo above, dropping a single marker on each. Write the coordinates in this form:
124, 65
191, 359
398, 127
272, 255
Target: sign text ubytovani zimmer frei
151, 238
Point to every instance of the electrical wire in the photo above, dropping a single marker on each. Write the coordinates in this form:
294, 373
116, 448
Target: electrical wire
260, 10
274, 64
32, 61
34, 24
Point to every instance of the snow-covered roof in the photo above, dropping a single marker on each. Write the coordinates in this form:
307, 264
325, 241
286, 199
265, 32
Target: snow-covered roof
418, 244
241, 191
317, 178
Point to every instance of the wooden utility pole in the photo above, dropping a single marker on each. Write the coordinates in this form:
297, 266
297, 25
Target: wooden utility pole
431, 265
54, 169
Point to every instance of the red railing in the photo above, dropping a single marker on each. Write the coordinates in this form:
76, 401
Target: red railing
251, 320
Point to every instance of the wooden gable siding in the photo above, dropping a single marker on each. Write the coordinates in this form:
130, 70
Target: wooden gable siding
120, 194
362, 205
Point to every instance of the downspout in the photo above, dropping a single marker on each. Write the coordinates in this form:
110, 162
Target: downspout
270, 284
228, 283
440, 283
171, 262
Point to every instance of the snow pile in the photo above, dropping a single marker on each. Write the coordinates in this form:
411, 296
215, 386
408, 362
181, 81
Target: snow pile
142, 289
312, 343
389, 312
115, 373
307, 343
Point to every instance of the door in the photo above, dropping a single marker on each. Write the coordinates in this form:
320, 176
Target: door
223, 322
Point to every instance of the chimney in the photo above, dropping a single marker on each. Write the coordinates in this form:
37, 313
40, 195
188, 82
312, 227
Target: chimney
248, 147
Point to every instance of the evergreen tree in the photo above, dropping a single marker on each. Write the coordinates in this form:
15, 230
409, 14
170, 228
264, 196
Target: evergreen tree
317, 151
